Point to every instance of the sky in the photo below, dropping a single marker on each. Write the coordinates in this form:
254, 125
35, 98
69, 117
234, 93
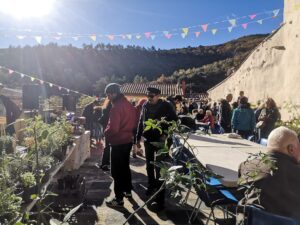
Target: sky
72, 19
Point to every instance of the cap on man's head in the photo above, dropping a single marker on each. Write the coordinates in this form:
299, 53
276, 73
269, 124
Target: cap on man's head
153, 90
112, 88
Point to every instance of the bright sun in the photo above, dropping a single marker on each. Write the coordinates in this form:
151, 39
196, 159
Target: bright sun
26, 8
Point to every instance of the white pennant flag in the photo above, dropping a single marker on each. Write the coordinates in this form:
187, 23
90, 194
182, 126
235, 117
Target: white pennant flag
183, 35
153, 37
232, 22
38, 39
75, 38
276, 12
21, 37
230, 29
260, 21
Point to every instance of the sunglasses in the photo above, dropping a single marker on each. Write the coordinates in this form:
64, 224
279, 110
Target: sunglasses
151, 95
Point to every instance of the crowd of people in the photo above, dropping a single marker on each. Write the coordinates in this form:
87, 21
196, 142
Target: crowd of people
123, 124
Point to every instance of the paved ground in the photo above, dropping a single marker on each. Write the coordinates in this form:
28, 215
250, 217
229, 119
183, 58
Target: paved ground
99, 187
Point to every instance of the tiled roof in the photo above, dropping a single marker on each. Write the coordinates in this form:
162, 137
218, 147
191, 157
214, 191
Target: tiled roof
141, 89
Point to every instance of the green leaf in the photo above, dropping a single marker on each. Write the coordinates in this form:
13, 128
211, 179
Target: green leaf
173, 168
147, 128
69, 214
162, 151
19, 223
44, 134
55, 222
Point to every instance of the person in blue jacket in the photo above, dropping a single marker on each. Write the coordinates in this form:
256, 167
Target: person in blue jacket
243, 119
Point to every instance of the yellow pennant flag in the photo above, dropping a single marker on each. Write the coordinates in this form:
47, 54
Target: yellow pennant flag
297, 6
32, 79
214, 31
93, 37
185, 30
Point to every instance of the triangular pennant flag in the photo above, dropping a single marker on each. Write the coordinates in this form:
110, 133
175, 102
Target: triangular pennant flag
252, 16
93, 37
232, 22
111, 37
230, 29
138, 36
153, 37
57, 38
75, 38
59, 88
185, 30
41, 82
204, 27
10, 71
165, 32
50, 85
147, 34
59, 33
32, 79
214, 31
245, 25
197, 33
183, 35
38, 39
68, 90
276, 12
260, 21
168, 36
129, 36
21, 37
123, 36
297, 6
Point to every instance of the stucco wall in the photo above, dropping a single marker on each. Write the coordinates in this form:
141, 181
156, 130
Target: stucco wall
272, 69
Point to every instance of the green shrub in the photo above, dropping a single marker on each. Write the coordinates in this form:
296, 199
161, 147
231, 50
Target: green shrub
28, 179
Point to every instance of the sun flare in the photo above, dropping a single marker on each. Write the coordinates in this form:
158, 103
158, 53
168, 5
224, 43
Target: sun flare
26, 8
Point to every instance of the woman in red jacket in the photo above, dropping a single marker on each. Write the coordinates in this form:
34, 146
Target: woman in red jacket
209, 119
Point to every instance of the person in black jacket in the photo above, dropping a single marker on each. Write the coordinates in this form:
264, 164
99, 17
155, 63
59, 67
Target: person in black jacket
106, 151
155, 108
225, 113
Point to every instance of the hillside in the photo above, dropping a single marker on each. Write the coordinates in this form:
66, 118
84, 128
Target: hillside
89, 68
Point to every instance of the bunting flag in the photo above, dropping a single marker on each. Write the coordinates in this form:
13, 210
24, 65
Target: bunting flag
38, 39
214, 31
147, 34
93, 37
185, 30
204, 27
21, 37
42, 82
276, 12
168, 36
129, 36
111, 37
197, 33
245, 25
183, 35
297, 6
260, 21
232, 22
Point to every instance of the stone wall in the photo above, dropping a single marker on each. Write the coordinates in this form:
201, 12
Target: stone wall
272, 69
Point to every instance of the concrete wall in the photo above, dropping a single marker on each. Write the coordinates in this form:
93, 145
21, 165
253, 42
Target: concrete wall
272, 69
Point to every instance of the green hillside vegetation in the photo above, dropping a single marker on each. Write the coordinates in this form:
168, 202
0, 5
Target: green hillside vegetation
90, 68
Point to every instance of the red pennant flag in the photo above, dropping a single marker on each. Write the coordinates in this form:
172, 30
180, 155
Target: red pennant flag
147, 34
197, 33
245, 25
252, 16
204, 27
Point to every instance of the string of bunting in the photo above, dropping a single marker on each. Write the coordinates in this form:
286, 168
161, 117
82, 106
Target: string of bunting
41, 82
168, 34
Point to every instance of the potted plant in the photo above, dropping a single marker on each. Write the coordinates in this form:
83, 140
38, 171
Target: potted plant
29, 184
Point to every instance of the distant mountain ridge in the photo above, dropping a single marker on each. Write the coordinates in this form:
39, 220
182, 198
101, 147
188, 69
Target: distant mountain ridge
90, 68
